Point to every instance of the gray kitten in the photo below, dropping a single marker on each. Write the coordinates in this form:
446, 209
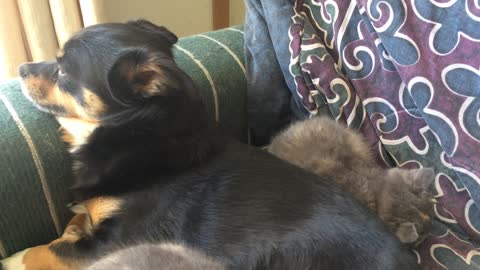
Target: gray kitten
156, 257
402, 198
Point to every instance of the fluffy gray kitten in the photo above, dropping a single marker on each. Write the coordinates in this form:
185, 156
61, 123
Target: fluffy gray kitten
402, 198
156, 257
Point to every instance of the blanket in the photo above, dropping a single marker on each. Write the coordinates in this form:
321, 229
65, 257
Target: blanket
404, 73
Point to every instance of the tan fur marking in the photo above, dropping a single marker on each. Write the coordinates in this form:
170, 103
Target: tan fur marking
68, 102
101, 208
67, 136
38, 87
95, 105
45, 92
42, 258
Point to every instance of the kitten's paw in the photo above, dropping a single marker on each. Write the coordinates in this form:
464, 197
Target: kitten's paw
407, 233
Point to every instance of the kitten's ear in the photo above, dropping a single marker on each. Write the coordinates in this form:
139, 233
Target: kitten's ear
419, 179
422, 179
407, 233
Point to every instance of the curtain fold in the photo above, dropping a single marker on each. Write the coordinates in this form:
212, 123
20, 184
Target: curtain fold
12, 47
92, 11
67, 18
39, 30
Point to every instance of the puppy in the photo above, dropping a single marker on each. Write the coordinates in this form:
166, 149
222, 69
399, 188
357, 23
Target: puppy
152, 167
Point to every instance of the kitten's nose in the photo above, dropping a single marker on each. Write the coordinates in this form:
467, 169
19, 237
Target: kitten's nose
23, 72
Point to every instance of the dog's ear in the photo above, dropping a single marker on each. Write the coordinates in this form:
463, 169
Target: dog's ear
155, 29
138, 73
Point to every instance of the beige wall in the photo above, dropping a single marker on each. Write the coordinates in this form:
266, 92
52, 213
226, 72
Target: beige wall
237, 12
182, 17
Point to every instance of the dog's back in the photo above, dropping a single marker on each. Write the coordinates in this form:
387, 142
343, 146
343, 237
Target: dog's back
257, 212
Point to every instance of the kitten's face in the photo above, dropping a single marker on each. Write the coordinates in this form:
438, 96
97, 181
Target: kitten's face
406, 205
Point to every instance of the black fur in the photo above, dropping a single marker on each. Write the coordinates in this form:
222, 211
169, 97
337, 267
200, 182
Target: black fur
182, 181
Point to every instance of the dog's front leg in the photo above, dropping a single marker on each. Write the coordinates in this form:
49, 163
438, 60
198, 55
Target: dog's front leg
54, 256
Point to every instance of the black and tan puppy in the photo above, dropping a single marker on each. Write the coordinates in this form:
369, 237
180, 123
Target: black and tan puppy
151, 167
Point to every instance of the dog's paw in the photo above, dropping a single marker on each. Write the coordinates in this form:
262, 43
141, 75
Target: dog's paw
14, 262
73, 231
77, 208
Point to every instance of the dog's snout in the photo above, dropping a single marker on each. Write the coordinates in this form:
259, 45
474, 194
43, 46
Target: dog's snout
23, 72
46, 69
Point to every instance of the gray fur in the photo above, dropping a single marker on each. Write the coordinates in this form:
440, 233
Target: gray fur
402, 198
156, 257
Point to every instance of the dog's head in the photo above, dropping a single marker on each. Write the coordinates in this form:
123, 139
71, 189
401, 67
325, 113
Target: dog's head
106, 71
